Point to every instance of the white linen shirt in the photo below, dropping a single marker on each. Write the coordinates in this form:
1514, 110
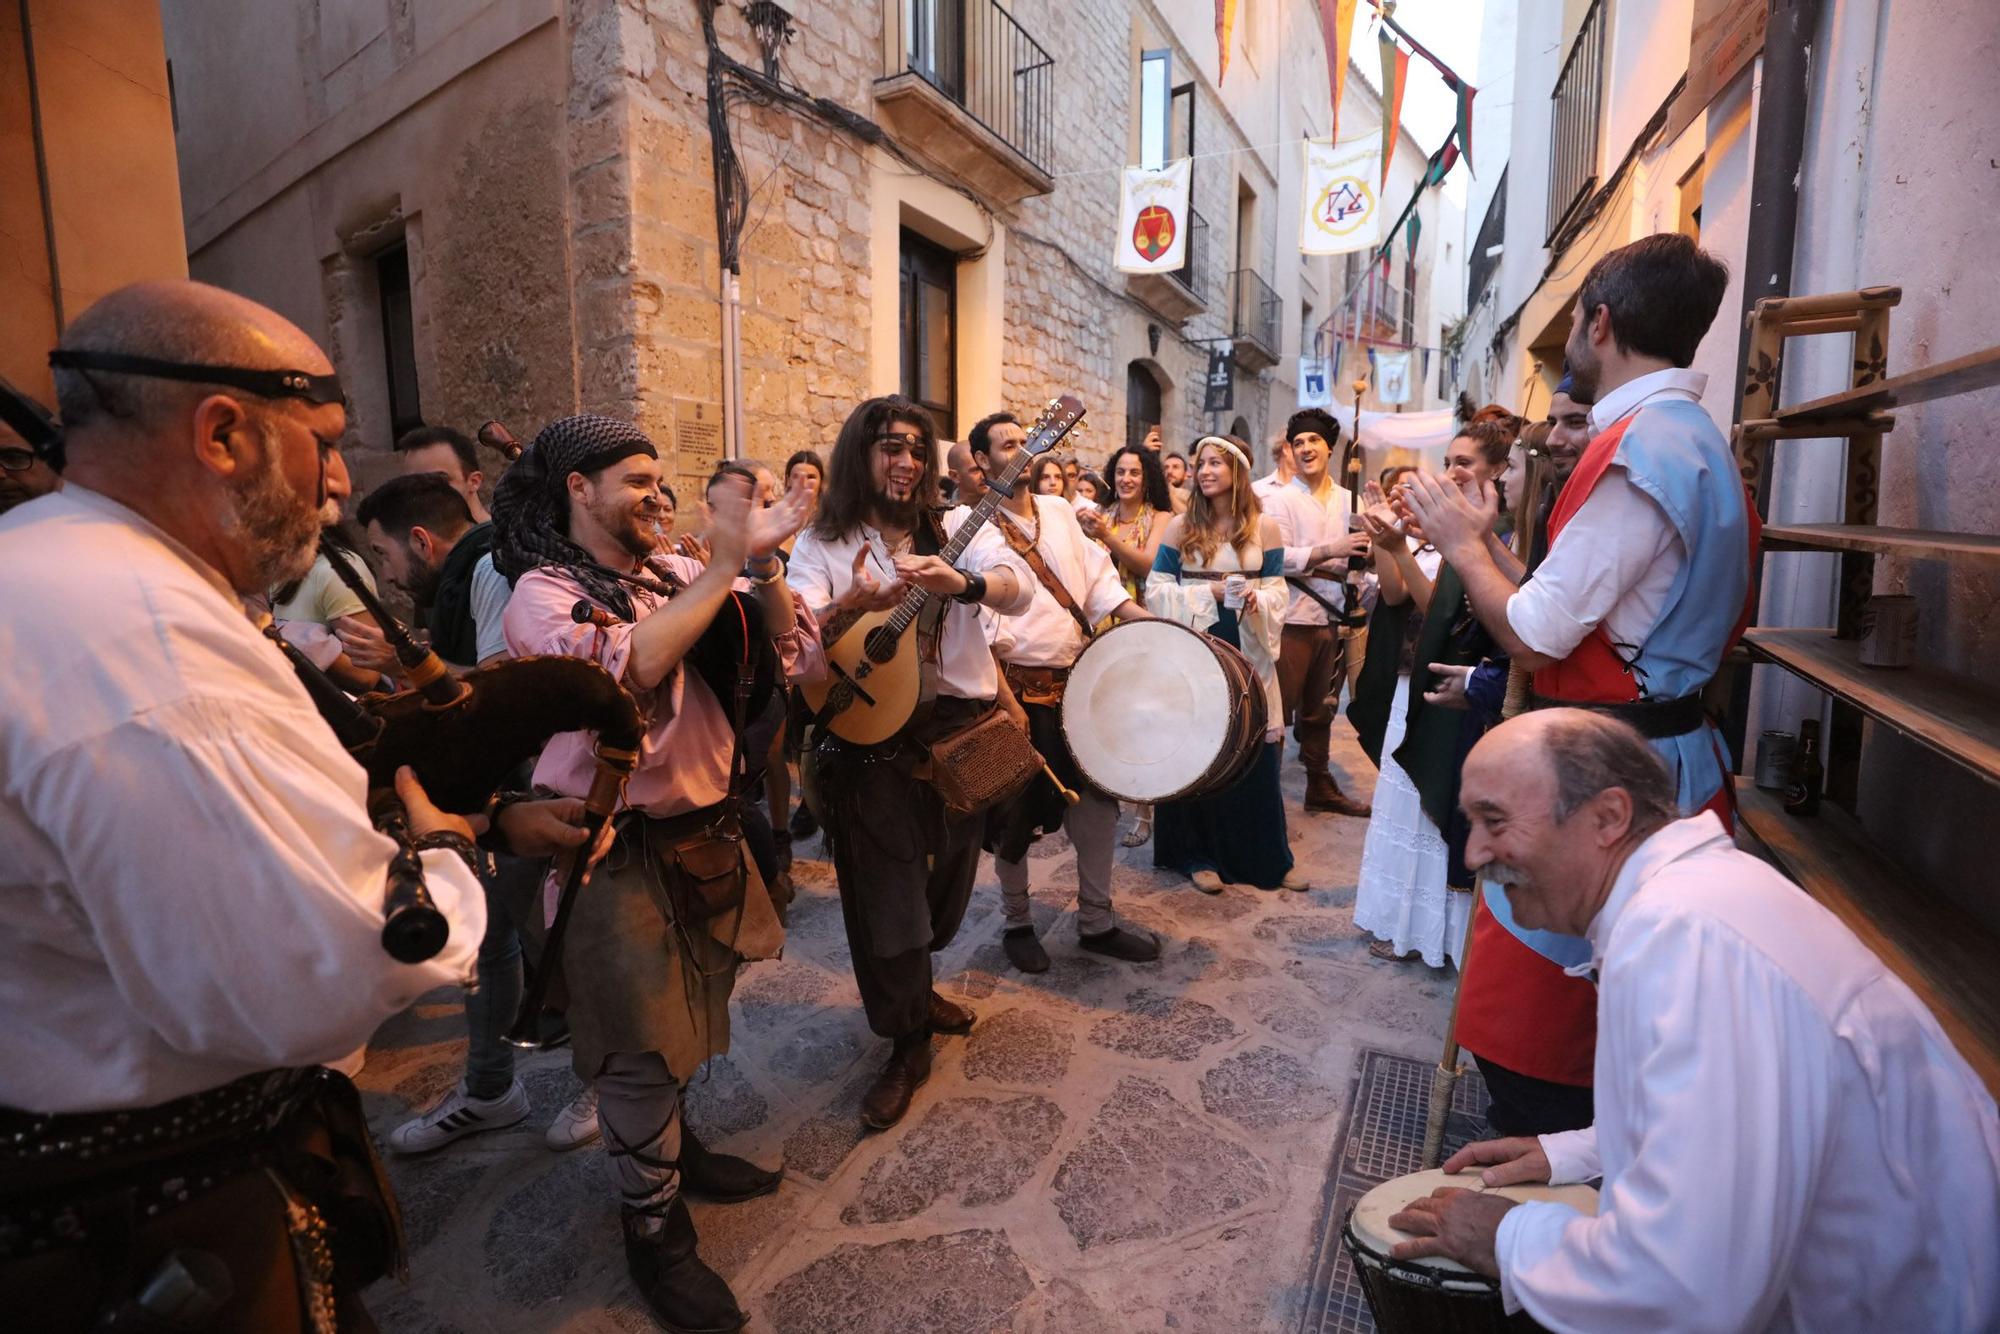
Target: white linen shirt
1619, 554
192, 889
822, 570
1306, 521
1045, 635
1787, 1139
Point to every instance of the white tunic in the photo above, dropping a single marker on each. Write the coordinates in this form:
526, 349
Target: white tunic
1619, 554
821, 570
1306, 521
1787, 1139
191, 890
1045, 635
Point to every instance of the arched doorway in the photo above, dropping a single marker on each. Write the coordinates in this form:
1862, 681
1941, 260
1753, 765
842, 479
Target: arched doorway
1144, 404
1240, 428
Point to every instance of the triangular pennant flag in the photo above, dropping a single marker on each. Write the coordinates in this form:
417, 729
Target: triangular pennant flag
1442, 163
1410, 234
1395, 79
1225, 24
1336, 21
1466, 92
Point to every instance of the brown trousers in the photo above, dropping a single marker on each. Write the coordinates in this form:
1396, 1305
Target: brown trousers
1309, 667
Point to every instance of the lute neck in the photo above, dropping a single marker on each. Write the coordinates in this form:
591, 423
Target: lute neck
914, 601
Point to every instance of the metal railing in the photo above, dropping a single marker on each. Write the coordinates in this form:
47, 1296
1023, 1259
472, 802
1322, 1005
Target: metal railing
1573, 116
1257, 308
1481, 264
1194, 264
974, 53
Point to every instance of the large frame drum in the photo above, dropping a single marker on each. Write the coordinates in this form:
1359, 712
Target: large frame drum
1435, 1295
1154, 711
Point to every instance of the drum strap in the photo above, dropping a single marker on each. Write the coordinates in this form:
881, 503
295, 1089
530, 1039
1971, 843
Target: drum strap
1030, 551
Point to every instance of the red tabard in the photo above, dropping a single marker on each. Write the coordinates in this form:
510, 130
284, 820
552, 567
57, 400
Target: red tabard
1515, 1007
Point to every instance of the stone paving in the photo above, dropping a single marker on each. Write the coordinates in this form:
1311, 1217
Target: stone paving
1112, 1147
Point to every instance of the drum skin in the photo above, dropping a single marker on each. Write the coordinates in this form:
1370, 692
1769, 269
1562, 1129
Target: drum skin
1423, 1296
1155, 711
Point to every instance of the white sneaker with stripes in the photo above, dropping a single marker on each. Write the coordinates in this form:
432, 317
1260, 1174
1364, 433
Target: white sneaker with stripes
456, 1115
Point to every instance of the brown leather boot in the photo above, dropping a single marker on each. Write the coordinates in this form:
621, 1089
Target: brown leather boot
909, 1066
949, 1017
1323, 794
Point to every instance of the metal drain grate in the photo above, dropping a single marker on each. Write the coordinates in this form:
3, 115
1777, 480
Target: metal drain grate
1383, 1138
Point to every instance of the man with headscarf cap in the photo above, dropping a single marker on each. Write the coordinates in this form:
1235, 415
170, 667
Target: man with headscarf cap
653, 945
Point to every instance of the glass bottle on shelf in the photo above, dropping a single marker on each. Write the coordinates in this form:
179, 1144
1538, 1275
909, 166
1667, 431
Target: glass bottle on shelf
1802, 796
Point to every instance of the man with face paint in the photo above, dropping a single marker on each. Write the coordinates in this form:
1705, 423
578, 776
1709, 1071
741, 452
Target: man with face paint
1645, 586
904, 864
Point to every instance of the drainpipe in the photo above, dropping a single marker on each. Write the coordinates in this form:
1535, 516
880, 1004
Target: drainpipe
1776, 160
732, 365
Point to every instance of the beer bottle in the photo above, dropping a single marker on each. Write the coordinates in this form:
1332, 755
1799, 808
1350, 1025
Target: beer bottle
1802, 796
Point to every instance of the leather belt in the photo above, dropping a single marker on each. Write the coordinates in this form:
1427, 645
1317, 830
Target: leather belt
1657, 719
1037, 685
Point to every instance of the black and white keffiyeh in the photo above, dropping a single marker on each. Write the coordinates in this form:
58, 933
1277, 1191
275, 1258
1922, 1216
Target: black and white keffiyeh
531, 503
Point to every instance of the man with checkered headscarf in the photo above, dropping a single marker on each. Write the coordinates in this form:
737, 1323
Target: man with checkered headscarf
654, 941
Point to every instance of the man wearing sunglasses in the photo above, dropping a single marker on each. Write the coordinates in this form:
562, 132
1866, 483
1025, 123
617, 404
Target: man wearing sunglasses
191, 902
24, 474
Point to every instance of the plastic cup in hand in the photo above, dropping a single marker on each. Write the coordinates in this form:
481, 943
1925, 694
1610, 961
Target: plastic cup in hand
1232, 591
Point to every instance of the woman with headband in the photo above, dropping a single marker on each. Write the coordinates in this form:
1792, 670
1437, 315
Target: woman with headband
1236, 836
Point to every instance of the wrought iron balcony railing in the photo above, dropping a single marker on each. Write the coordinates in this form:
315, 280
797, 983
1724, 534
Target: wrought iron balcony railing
1573, 117
974, 53
1257, 309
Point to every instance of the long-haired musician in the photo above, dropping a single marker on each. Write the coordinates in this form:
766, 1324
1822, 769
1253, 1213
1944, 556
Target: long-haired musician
1236, 836
1075, 590
904, 866
191, 896
648, 986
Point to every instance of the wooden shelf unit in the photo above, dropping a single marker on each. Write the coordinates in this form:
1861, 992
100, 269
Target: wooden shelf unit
1946, 954
1960, 375
1940, 951
1909, 543
1956, 719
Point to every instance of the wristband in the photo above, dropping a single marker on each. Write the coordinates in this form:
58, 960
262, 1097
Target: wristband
777, 568
452, 841
975, 587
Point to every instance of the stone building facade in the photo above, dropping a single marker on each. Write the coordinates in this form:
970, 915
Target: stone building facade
506, 208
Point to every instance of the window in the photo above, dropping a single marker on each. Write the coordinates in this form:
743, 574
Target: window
1142, 403
937, 43
1689, 224
399, 338
1308, 335
929, 320
1410, 299
1155, 98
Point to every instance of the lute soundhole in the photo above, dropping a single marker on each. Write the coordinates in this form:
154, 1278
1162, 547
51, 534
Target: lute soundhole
881, 645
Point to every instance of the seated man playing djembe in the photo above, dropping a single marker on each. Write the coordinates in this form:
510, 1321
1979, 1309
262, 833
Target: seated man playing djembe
1787, 1139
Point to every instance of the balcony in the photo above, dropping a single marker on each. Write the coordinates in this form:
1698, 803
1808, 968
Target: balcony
1254, 329
1573, 117
1178, 295
967, 90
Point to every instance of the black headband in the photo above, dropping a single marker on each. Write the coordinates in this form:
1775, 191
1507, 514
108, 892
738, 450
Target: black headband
316, 389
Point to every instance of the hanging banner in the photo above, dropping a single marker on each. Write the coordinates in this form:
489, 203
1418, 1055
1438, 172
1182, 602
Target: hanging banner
1153, 218
1392, 377
1340, 209
1315, 382
1219, 392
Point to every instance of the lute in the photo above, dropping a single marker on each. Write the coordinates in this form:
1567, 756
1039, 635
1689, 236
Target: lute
880, 677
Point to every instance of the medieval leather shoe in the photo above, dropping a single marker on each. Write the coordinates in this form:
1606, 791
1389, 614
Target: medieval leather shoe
949, 1017
1131, 946
722, 1177
909, 1066
686, 1296
1024, 950
1323, 794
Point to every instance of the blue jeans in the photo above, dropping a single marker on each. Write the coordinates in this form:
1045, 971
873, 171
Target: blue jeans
492, 1006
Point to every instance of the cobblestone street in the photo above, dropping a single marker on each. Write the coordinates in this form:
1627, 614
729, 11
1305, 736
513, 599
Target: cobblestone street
1112, 1148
